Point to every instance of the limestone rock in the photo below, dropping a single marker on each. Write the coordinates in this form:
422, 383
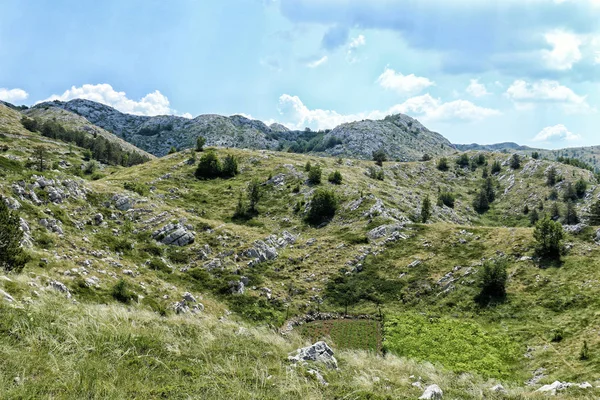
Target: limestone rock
318, 352
174, 234
432, 392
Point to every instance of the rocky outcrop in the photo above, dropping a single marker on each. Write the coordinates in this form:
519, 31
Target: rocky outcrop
174, 234
432, 392
558, 386
318, 352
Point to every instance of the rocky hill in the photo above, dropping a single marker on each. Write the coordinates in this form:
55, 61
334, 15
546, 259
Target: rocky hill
402, 137
147, 282
506, 146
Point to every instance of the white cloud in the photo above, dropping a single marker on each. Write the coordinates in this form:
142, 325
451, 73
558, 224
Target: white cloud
477, 89
316, 63
403, 84
357, 42
546, 91
154, 103
425, 107
13, 95
555, 133
565, 50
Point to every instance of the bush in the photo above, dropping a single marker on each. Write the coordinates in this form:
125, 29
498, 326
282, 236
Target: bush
463, 160
322, 207
548, 235
172, 150
230, 167
442, 164
121, 292
571, 217
376, 173
307, 167
254, 194
314, 175
137, 187
481, 203
426, 210
335, 178
492, 282
584, 354
551, 176
496, 167
156, 264
209, 166
446, 199
580, 188
30, 124
12, 256
595, 213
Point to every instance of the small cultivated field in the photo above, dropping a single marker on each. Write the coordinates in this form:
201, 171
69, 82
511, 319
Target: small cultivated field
346, 333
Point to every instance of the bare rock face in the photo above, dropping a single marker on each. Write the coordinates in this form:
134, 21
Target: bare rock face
174, 234
318, 352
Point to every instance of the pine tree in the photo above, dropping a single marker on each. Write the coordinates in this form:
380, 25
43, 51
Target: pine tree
595, 213
551, 176
40, 154
481, 203
253, 195
555, 212
426, 210
515, 161
571, 217
12, 256
549, 235
200, 142
534, 217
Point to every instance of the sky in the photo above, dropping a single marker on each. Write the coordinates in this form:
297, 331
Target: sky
526, 71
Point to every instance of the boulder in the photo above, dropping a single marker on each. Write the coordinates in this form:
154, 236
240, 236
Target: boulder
432, 392
384, 231
60, 287
261, 252
98, 219
318, 352
122, 203
174, 234
575, 229
498, 389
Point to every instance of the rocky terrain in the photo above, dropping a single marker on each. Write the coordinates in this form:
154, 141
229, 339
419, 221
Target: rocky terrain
142, 282
402, 137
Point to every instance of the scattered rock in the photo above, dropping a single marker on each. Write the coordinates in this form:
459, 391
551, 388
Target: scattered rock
122, 202
384, 231
174, 234
575, 229
319, 377
61, 287
318, 352
432, 392
98, 219
498, 389
558, 386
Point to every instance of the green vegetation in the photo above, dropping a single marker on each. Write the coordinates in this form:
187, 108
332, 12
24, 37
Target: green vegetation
548, 235
12, 256
379, 157
314, 175
442, 164
335, 177
345, 334
426, 209
200, 142
323, 206
492, 282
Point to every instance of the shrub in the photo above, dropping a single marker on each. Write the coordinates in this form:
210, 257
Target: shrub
446, 199
570, 194
230, 167
584, 353
91, 167
137, 187
376, 173
314, 175
496, 167
254, 194
442, 164
335, 178
571, 217
492, 282
200, 142
481, 203
551, 176
12, 256
379, 157
548, 235
172, 150
30, 124
534, 217
156, 264
535, 155
426, 157
580, 188
209, 166
463, 160
595, 213
121, 292
322, 207
307, 166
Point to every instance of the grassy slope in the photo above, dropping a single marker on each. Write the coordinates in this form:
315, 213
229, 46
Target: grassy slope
539, 299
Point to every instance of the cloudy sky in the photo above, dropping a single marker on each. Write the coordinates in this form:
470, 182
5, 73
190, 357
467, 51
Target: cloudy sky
476, 71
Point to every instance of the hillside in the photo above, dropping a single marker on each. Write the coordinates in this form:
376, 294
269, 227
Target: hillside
109, 306
403, 138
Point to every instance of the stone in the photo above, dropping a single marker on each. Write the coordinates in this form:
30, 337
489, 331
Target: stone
60, 287
261, 252
432, 392
237, 287
318, 352
187, 296
498, 389
98, 219
174, 235
122, 203
384, 231
319, 377
575, 229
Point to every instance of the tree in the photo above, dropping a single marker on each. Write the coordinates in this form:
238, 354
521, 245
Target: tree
535, 155
463, 160
335, 178
580, 188
172, 150
307, 166
571, 217
555, 212
322, 207
570, 194
200, 142
425, 157
230, 167
481, 203
209, 166
446, 199
488, 188
515, 161
379, 157
548, 235
254, 193
442, 164
496, 167
40, 153
595, 213
551, 176
30, 124
426, 210
492, 282
12, 256
314, 175
534, 217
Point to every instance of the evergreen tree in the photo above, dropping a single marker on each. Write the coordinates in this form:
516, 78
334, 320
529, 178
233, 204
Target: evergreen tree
230, 167
488, 188
555, 212
200, 142
442, 164
379, 157
335, 178
551, 176
209, 166
314, 175
496, 167
307, 167
481, 203
571, 217
515, 161
580, 188
463, 160
570, 194
12, 256
41, 154
534, 217
426, 210
595, 213
322, 207
548, 235
254, 194
492, 282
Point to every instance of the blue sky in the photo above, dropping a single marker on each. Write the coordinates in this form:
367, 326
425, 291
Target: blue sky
476, 71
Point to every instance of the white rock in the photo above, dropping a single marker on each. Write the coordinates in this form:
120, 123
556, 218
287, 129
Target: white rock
432, 392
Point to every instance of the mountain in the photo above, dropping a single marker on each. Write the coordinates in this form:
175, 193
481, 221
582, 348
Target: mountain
402, 137
506, 146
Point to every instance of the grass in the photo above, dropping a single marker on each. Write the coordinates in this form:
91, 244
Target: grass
346, 334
